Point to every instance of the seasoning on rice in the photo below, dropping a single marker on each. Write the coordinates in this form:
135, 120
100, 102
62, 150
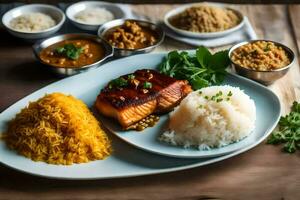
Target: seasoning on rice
58, 129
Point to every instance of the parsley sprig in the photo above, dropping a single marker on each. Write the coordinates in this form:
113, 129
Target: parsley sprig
201, 69
289, 131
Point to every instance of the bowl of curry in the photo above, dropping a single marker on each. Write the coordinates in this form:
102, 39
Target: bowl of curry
71, 54
129, 36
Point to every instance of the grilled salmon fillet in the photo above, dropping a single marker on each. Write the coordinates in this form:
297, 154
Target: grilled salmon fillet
133, 97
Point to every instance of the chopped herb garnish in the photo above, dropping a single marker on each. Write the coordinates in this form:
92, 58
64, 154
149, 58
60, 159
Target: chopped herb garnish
219, 93
200, 92
267, 48
288, 132
70, 51
219, 100
229, 94
218, 97
131, 76
254, 52
118, 83
147, 85
201, 69
213, 98
244, 54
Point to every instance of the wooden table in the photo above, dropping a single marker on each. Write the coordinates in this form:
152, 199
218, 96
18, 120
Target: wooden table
262, 173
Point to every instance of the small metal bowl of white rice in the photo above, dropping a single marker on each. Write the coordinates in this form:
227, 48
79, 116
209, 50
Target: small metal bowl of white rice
34, 21
212, 117
90, 15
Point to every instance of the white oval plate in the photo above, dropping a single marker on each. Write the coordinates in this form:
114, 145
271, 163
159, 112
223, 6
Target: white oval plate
201, 35
127, 161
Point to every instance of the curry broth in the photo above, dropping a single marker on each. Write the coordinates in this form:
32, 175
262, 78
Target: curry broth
91, 53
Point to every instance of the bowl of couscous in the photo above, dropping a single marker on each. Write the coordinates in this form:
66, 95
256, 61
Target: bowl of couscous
264, 61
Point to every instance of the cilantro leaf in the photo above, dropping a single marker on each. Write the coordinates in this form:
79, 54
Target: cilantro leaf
288, 132
70, 51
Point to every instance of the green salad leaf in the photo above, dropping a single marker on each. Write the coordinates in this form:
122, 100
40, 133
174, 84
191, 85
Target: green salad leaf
70, 51
288, 132
201, 69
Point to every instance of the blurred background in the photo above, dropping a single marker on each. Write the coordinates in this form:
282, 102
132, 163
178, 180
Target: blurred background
163, 1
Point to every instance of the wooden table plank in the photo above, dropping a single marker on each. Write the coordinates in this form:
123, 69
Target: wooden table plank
294, 13
261, 173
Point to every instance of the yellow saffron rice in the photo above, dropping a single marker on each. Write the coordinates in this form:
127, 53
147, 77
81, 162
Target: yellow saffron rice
58, 129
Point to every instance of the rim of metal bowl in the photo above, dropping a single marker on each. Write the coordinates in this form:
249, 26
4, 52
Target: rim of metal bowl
39, 46
118, 22
290, 53
60, 23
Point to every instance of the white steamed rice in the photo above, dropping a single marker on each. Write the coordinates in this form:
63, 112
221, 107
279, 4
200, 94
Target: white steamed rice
94, 16
32, 22
202, 122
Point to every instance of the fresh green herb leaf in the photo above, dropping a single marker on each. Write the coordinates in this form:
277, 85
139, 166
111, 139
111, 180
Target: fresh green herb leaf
70, 51
201, 69
288, 132
254, 52
203, 56
60, 50
147, 85
118, 83
131, 76
267, 48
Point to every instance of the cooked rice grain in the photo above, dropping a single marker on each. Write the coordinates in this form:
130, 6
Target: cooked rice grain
58, 129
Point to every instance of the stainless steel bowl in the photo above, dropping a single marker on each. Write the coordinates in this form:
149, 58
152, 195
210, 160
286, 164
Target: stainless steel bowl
52, 11
264, 77
75, 8
38, 47
118, 52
